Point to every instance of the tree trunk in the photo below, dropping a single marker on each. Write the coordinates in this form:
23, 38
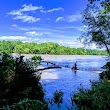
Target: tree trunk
108, 50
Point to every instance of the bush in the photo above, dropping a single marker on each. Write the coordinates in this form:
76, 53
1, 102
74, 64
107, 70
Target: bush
106, 74
27, 104
96, 99
18, 81
36, 58
56, 100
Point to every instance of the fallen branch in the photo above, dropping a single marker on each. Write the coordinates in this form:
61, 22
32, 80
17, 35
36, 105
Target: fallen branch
49, 62
51, 67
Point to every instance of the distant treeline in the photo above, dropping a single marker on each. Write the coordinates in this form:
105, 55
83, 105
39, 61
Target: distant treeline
44, 48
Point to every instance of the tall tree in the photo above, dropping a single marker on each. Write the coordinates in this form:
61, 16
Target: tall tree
97, 19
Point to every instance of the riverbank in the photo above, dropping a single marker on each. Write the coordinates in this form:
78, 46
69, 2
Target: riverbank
56, 55
45, 48
31, 55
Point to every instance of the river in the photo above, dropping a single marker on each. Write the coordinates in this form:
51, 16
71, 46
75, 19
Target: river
65, 79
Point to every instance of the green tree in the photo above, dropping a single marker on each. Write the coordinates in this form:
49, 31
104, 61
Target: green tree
18, 81
97, 19
43, 48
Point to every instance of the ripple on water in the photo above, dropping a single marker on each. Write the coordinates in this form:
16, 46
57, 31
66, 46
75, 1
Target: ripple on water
65, 79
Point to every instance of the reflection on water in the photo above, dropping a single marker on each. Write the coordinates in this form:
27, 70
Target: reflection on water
49, 75
66, 79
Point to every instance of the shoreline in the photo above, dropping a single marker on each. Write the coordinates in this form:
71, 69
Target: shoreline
53, 55
58, 57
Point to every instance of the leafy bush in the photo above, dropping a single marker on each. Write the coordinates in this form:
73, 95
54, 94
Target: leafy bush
58, 97
27, 104
106, 74
18, 81
96, 99
36, 58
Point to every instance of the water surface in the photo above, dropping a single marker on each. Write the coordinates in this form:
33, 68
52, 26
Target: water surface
66, 79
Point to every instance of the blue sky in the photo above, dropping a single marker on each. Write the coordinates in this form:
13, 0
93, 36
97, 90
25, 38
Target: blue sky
40, 21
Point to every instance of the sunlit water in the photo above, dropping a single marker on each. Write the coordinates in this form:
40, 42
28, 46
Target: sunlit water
66, 79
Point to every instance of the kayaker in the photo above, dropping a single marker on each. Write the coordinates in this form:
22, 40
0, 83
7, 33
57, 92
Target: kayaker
75, 67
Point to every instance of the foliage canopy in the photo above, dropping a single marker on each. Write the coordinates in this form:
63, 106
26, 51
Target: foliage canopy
97, 20
18, 81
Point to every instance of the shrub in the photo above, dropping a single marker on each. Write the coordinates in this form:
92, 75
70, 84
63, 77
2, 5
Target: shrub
37, 58
96, 99
27, 104
106, 74
18, 81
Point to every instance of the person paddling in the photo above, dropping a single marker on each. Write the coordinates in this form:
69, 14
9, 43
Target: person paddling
75, 67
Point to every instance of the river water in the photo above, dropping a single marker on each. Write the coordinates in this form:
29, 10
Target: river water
65, 79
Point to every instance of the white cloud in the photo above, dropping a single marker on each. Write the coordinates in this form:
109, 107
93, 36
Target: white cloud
12, 37
26, 18
30, 8
21, 38
82, 28
73, 18
25, 9
55, 9
43, 11
71, 43
15, 12
20, 15
70, 18
59, 19
52, 10
34, 33
15, 25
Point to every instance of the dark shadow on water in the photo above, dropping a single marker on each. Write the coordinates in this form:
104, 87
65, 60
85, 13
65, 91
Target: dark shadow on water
74, 71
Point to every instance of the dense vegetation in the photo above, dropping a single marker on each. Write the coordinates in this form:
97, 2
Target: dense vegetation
44, 48
19, 86
96, 99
